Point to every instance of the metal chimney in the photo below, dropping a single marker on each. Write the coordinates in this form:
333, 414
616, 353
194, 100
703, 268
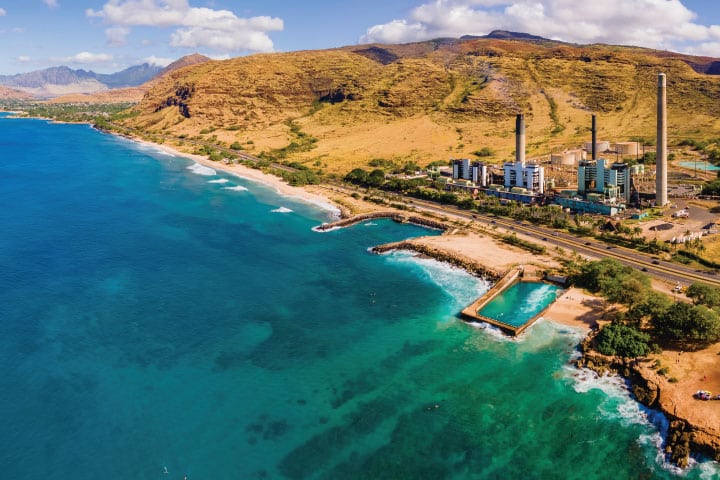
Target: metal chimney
661, 155
520, 138
594, 139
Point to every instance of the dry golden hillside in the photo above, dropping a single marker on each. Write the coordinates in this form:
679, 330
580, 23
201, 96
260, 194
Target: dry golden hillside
431, 100
12, 94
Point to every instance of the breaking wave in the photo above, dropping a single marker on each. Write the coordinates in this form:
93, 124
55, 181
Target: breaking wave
198, 169
282, 210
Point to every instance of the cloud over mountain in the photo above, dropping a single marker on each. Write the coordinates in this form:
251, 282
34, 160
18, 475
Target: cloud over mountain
662, 24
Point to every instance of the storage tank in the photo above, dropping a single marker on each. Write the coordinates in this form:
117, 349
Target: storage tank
568, 158
627, 148
637, 169
600, 146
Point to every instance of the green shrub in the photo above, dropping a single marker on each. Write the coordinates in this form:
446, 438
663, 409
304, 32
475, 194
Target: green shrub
623, 341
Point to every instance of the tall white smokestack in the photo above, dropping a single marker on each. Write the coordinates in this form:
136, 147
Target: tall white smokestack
661, 155
520, 138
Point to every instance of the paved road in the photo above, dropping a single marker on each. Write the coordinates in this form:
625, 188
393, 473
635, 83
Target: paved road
660, 269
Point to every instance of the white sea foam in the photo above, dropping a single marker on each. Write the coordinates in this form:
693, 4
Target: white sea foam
219, 180
370, 224
237, 188
322, 230
620, 405
709, 470
462, 286
282, 210
198, 169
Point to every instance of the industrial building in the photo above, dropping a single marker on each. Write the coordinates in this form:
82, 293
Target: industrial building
611, 182
477, 172
528, 176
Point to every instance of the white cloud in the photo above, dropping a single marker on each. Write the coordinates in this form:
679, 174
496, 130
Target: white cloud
650, 23
51, 3
160, 62
23, 59
3, 12
220, 30
85, 58
117, 36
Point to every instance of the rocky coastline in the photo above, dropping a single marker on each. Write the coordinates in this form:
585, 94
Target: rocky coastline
684, 437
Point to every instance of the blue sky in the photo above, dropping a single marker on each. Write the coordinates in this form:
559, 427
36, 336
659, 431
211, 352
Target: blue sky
109, 35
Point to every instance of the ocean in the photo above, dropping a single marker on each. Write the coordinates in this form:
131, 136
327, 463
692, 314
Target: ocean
161, 320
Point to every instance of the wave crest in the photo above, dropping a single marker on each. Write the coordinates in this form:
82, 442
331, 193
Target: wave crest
198, 169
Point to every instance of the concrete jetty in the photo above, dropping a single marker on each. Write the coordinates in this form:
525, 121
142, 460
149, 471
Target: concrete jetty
395, 216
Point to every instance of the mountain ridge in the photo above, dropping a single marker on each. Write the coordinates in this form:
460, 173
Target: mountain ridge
429, 101
54, 81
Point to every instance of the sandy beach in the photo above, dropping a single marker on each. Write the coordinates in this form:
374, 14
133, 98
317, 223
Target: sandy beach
576, 308
255, 175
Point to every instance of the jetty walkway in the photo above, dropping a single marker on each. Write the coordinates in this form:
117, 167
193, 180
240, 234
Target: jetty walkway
395, 216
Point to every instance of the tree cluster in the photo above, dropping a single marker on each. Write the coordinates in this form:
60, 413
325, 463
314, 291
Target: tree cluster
649, 316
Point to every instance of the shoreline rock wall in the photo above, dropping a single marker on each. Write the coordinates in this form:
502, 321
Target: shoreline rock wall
460, 261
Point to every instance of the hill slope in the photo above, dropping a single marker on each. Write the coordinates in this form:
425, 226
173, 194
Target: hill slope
431, 100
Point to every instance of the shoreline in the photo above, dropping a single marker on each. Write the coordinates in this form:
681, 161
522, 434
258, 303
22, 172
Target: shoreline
248, 173
577, 310
574, 308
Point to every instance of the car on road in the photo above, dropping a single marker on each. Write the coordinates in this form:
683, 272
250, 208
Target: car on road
656, 262
587, 243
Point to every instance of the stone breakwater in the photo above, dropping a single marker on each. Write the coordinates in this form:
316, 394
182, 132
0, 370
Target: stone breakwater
455, 259
683, 437
397, 217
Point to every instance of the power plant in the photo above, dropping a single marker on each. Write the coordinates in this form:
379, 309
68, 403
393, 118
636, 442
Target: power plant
603, 186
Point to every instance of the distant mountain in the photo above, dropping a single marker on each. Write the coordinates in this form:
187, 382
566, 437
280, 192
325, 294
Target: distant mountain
55, 81
130, 77
129, 94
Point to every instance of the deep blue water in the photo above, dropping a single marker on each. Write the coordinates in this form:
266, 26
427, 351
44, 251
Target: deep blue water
152, 317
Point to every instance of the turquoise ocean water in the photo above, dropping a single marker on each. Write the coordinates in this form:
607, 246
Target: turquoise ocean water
520, 303
158, 315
